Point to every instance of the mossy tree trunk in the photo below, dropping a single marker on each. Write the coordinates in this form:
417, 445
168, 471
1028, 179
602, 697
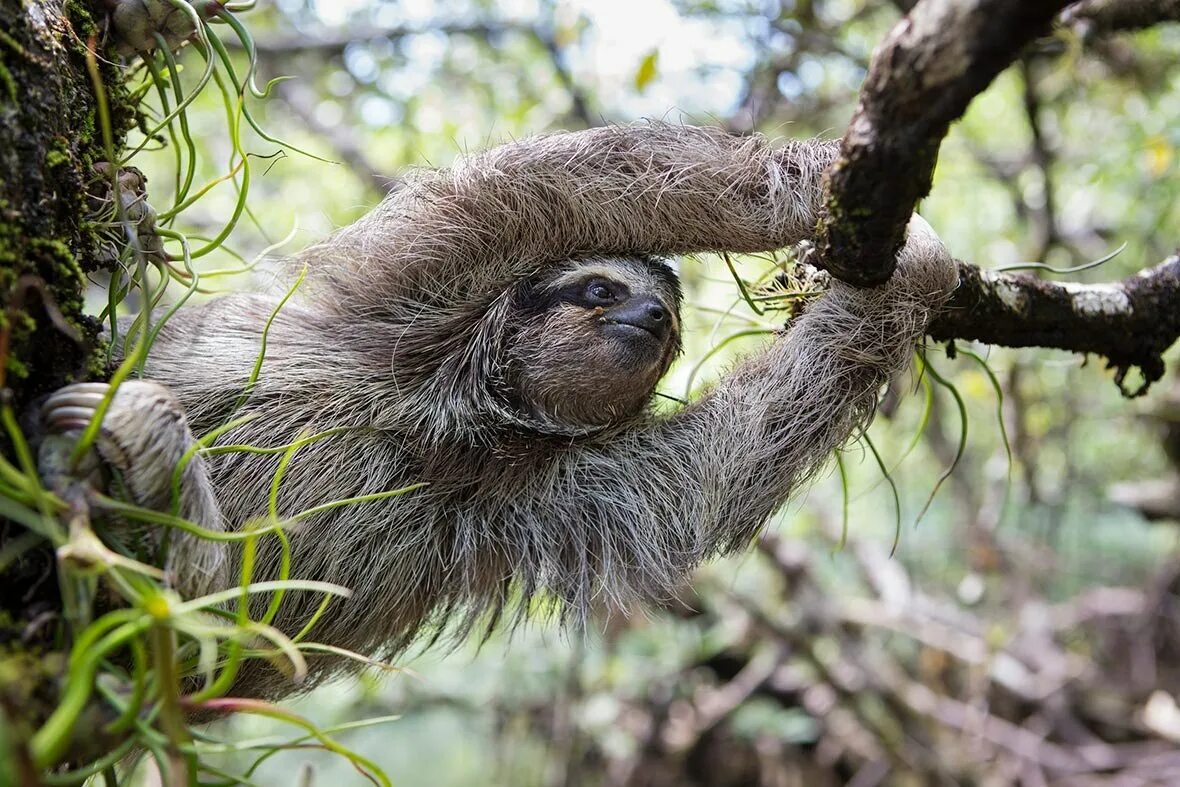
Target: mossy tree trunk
49, 143
50, 140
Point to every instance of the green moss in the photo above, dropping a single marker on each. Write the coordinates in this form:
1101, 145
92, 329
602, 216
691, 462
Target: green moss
123, 109
60, 280
17, 369
28, 686
9, 240
81, 18
59, 154
43, 203
62, 264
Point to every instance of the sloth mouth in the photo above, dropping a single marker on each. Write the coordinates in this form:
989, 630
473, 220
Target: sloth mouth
631, 329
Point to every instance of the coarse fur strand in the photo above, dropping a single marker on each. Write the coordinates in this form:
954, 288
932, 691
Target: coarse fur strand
403, 334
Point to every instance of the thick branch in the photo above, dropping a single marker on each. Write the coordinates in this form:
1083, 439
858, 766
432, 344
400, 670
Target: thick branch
922, 77
46, 96
1130, 323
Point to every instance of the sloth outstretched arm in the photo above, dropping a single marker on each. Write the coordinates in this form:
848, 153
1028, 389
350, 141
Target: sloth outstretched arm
446, 237
496, 331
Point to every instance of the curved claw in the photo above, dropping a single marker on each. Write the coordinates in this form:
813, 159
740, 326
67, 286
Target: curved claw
66, 419
73, 407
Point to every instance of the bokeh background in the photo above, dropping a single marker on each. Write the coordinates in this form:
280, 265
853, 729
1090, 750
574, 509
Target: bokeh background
1025, 628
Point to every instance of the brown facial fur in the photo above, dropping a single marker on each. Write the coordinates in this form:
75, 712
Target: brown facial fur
573, 365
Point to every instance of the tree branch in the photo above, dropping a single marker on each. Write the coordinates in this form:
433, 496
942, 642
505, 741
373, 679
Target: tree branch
923, 75
1131, 323
1111, 16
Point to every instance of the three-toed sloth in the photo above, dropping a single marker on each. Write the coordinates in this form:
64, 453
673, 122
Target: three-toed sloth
495, 331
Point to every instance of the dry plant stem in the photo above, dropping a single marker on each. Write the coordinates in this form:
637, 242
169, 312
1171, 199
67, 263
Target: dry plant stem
923, 75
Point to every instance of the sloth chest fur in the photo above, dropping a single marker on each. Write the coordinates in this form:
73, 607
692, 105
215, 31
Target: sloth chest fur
443, 489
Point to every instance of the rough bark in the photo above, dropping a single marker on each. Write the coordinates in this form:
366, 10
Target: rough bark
1130, 323
49, 142
923, 75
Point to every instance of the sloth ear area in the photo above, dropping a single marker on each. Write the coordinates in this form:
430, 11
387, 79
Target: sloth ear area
463, 382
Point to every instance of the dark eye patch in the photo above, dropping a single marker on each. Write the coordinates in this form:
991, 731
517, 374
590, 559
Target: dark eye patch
603, 292
590, 293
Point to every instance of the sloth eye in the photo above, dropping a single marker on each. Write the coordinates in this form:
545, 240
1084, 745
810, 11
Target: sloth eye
600, 293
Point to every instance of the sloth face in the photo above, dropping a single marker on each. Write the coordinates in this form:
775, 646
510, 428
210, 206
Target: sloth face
598, 336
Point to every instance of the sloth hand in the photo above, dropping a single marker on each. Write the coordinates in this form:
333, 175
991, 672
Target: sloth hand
143, 433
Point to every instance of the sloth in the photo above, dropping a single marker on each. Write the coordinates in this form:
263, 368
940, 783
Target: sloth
495, 332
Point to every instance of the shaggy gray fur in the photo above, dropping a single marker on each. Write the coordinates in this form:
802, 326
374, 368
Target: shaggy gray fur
403, 331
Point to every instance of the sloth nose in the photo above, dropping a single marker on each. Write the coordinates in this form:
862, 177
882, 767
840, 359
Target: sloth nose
644, 312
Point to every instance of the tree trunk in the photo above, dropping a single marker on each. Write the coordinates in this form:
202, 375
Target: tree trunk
50, 140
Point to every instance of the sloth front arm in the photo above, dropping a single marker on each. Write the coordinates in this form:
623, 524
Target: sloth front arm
445, 238
145, 439
671, 493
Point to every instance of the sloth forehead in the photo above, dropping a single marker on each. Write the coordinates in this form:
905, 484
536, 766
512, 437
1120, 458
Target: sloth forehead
638, 275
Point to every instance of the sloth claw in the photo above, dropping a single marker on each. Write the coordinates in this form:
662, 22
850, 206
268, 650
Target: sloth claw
66, 419
72, 407
141, 436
